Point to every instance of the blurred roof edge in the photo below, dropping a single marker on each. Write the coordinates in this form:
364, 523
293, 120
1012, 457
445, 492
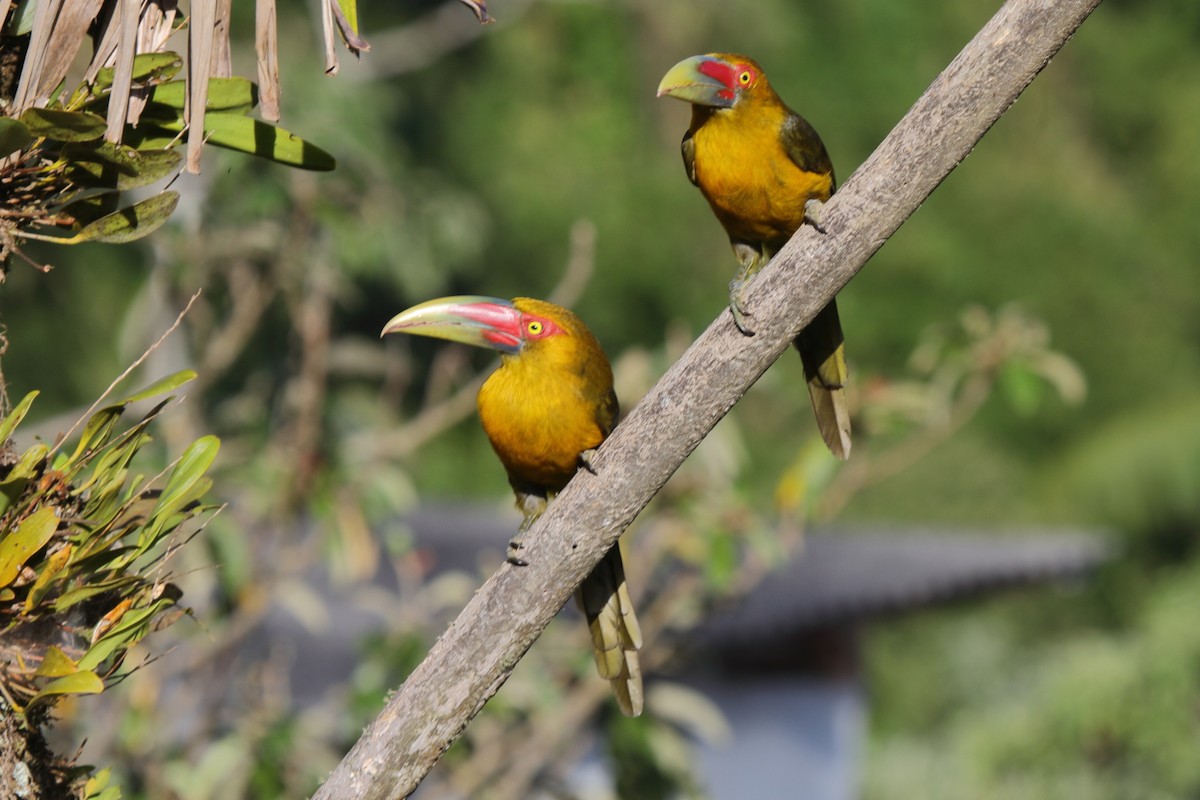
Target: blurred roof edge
841, 574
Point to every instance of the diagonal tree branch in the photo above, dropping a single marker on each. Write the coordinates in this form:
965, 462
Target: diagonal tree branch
476, 654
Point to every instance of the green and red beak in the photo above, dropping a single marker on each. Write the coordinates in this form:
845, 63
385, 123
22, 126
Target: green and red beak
703, 80
471, 319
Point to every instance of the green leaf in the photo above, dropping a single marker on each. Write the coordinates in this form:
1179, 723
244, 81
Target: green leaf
21, 20
168, 384
31, 459
156, 165
82, 682
90, 209
64, 126
97, 787
13, 136
53, 567
97, 430
77, 595
235, 95
147, 68
150, 137
10, 490
246, 135
15, 416
267, 141
109, 793
128, 224
350, 12
115, 166
56, 664
132, 628
191, 468
18, 546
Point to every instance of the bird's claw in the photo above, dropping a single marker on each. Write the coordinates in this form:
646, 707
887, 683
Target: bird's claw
737, 305
514, 552
813, 211
586, 460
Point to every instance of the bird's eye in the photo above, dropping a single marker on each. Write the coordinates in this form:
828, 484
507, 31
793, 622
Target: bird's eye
534, 328
744, 78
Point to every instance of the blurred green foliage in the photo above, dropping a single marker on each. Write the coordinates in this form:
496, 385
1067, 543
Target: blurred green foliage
464, 171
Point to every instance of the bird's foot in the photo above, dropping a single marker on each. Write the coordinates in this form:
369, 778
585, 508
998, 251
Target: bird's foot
515, 549
737, 303
586, 460
813, 211
531, 506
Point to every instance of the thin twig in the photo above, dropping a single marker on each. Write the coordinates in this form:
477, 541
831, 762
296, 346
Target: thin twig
126, 373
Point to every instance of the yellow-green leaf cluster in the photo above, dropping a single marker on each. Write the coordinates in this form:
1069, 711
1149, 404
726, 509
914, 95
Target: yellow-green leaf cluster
81, 532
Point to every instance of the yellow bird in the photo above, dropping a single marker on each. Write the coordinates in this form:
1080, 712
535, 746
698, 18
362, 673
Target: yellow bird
765, 172
549, 404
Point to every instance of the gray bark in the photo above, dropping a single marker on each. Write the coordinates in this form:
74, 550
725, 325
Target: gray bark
475, 655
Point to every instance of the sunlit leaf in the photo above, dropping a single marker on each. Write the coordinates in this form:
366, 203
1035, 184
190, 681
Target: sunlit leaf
234, 95
147, 68
18, 546
31, 459
345, 12
82, 682
350, 12
63, 126
191, 468
97, 787
129, 224
15, 416
259, 138
168, 384
13, 136
148, 137
56, 664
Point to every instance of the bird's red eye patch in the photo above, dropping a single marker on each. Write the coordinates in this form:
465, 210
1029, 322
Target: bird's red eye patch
537, 327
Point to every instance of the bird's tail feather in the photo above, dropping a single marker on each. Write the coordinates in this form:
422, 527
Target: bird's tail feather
823, 351
616, 636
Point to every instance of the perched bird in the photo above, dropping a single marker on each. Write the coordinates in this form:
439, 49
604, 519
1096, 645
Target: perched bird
546, 407
765, 172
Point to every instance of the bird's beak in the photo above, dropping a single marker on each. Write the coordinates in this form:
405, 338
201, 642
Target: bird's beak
470, 319
700, 80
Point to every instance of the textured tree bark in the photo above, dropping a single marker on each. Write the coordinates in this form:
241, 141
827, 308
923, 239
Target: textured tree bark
475, 655
29, 770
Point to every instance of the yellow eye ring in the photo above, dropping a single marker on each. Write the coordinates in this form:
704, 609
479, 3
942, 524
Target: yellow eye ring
744, 78
534, 328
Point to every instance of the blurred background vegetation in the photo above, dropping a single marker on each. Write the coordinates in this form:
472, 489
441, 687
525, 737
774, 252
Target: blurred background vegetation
531, 156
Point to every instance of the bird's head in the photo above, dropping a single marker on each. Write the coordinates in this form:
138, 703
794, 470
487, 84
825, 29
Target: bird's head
716, 80
512, 327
